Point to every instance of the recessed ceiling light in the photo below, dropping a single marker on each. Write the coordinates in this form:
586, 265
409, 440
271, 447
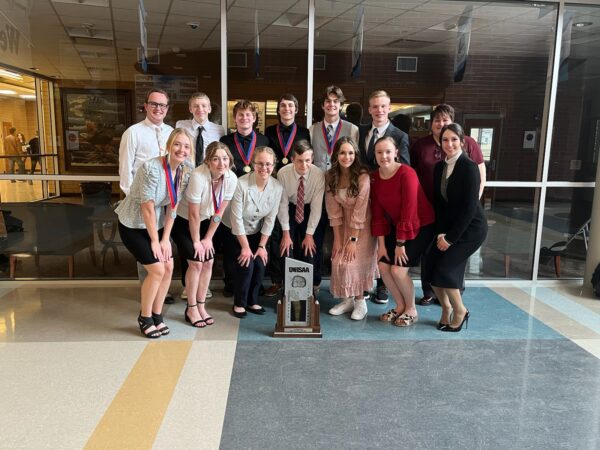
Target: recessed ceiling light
7, 92
582, 24
27, 96
177, 67
36, 69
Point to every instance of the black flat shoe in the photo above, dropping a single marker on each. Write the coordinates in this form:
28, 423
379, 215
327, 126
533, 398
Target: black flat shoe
259, 311
169, 300
239, 315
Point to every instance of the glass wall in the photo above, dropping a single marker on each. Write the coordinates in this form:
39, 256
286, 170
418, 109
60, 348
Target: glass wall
89, 64
267, 54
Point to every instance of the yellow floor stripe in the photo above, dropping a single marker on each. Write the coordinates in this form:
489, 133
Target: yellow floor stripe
134, 417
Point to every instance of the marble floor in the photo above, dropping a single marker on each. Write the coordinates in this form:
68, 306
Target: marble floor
76, 373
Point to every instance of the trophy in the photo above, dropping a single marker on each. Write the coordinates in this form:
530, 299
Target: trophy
298, 311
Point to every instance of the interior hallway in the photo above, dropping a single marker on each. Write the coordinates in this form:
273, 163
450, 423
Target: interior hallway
78, 374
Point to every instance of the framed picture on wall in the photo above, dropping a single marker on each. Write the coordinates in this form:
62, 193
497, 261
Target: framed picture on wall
94, 120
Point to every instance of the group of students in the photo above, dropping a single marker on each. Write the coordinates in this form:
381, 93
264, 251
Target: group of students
385, 215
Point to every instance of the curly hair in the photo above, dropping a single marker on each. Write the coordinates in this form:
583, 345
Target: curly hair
335, 172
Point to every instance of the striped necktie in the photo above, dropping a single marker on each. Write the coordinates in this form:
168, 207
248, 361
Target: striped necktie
300, 201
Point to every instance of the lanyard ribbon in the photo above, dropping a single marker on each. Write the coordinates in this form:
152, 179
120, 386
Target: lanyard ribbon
172, 185
336, 135
245, 154
285, 147
217, 201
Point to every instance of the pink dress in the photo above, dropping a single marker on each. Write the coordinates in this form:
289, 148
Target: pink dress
351, 279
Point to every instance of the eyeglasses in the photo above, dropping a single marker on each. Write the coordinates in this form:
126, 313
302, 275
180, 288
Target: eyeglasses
264, 165
158, 105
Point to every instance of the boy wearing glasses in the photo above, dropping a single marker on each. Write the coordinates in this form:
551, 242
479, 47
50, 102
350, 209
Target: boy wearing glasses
145, 139
300, 209
425, 154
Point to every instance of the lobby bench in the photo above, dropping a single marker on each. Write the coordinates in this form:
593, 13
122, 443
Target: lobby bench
60, 229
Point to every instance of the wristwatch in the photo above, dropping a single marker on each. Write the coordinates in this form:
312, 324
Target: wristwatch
216, 219
353, 238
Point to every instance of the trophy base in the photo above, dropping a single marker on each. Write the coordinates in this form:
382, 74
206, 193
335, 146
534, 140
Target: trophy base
294, 334
311, 329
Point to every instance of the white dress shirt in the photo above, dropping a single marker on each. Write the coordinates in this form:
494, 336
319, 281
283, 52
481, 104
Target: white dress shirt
380, 132
139, 143
314, 188
212, 131
252, 211
199, 191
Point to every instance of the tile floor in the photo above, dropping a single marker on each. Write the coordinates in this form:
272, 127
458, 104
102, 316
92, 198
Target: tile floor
77, 374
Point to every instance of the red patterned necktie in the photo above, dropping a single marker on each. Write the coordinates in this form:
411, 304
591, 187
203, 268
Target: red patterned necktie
300, 201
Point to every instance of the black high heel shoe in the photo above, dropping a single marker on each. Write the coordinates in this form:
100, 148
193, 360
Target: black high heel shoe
195, 324
145, 323
441, 325
158, 319
464, 322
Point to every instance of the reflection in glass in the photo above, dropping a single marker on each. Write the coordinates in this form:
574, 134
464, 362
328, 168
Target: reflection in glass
566, 232
576, 137
508, 249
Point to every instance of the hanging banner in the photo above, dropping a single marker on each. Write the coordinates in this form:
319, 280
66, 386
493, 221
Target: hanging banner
143, 36
462, 44
256, 45
357, 42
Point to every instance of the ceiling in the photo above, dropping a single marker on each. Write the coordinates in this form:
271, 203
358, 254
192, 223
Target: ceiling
100, 39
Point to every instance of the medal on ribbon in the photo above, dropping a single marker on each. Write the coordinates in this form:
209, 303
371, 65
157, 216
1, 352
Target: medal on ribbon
172, 184
246, 155
336, 135
287, 146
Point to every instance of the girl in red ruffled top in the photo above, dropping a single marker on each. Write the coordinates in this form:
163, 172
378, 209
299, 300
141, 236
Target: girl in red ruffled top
402, 220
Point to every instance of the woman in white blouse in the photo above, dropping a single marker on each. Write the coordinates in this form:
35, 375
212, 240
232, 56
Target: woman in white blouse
145, 228
209, 191
251, 217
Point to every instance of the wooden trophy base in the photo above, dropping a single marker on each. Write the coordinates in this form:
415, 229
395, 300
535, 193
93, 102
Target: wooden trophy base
311, 330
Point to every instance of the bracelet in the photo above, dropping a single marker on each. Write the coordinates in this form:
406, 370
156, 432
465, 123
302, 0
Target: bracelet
261, 246
353, 238
400, 244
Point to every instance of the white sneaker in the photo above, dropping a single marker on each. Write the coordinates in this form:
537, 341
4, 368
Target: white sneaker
208, 293
346, 305
183, 295
360, 310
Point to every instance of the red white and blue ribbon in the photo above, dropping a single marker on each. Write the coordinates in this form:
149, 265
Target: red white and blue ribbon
286, 147
172, 184
245, 154
217, 200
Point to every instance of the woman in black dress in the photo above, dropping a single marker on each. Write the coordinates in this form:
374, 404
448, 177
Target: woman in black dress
461, 226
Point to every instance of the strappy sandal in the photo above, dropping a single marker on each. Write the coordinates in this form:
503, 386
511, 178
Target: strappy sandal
158, 319
389, 316
197, 323
405, 320
207, 318
145, 323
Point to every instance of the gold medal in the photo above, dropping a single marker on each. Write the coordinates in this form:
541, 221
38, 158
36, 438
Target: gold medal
284, 161
247, 169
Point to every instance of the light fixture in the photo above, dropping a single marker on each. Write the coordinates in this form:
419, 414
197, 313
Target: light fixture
11, 75
35, 69
7, 92
27, 96
582, 24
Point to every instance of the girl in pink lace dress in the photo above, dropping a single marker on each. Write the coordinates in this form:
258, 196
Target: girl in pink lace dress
354, 266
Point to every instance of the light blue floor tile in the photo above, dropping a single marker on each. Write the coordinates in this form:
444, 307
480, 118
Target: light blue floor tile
492, 317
